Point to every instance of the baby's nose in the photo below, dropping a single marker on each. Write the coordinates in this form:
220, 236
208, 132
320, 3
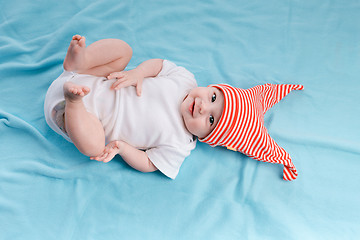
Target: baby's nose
203, 107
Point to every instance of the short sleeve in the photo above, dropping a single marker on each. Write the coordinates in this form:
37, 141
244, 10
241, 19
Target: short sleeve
168, 159
170, 69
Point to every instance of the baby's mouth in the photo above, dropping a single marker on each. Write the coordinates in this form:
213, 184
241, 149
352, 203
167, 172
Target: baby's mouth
191, 108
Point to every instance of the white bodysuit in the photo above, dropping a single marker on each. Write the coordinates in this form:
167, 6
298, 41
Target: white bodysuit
151, 122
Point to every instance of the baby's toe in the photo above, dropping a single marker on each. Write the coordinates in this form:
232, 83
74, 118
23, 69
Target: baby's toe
86, 90
82, 42
72, 90
76, 37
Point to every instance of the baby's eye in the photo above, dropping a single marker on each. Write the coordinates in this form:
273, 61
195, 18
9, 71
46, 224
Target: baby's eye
211, 119
213, 98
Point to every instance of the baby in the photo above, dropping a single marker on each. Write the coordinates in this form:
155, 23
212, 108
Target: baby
94, 105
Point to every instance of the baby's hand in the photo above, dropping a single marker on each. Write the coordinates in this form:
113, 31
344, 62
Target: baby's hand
109, 152
126, 79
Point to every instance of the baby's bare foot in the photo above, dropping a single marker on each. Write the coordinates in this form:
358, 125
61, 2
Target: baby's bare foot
74, 92
75, 57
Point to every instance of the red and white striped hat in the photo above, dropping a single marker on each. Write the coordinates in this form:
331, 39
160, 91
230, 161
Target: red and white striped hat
241, 126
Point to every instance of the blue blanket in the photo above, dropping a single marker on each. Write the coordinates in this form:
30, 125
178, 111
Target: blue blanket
48, 190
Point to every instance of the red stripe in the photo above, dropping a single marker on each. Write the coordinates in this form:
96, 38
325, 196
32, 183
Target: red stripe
248, 124
228, 141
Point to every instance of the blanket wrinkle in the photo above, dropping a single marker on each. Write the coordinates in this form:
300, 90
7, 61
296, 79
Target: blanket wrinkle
49, 190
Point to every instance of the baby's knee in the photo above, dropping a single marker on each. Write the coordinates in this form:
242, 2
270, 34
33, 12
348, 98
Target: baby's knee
124, 49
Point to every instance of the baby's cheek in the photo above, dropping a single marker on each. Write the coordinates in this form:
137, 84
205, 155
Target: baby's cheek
192, 126
189, 125
201, 129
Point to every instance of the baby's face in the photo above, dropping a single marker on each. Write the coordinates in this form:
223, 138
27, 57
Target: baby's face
202, 109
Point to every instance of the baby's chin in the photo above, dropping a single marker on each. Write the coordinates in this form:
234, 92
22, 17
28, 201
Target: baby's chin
182, 110
184, 106
186, 125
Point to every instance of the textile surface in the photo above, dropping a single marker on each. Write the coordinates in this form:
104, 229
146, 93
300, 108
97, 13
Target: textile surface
48, 190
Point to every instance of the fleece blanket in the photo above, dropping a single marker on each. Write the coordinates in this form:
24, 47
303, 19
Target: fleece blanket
48, 190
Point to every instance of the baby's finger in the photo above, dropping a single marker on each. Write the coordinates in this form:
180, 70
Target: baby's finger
116, 145
107, 150
99, 157
95, 158
139, 88
104, 156
115, 75
122, 84
109, 157
115, 84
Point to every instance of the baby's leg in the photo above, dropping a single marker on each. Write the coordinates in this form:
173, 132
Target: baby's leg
83, 128
100, 58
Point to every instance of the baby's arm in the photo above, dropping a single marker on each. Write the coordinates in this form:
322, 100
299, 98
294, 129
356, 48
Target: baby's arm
134, 157
134, 77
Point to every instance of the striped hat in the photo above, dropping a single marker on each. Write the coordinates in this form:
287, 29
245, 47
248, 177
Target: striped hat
241, 126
